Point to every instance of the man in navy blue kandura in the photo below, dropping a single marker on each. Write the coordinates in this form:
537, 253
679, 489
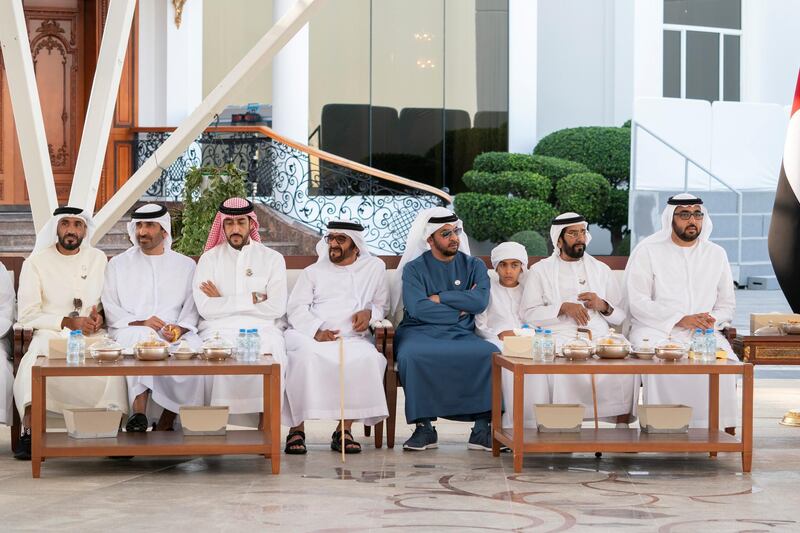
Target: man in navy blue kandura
445, 368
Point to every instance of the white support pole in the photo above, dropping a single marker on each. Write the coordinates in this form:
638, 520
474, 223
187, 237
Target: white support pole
27, 111
253, 62
100, 112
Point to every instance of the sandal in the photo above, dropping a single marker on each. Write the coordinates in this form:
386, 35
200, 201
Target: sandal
137, 423
296, 446
350, 445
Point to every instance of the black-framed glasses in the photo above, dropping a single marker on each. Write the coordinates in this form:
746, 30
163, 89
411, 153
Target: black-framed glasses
446, 234
340, 239
686, 215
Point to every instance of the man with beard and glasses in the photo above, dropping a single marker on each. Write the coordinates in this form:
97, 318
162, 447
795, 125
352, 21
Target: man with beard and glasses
240, 283
59, 287
339, 296
677, 280
444, 366
148, 291
572, 289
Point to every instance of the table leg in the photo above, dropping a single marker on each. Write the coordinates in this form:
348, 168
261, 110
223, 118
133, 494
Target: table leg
519, 411
497, 405
38, 421
747, 418
275, 416
713, 406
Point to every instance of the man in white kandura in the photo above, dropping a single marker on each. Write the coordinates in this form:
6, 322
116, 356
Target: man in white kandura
339, 296
571, 290
678, 280
59, 287
8, 303
502, 317
240, 283
148, 293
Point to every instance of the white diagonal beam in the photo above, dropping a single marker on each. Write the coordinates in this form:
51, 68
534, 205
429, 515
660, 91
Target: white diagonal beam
100, 111
252, 63
27, 111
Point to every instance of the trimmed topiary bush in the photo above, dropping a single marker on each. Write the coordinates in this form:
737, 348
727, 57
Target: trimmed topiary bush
533, 242
551, 167
615, 220
495, 218
519, 183
585, 193
605, 150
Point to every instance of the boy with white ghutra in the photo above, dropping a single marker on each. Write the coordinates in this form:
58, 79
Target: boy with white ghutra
502, 317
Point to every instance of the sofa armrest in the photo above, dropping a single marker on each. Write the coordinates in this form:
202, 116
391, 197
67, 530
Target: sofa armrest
729, 333
20, 343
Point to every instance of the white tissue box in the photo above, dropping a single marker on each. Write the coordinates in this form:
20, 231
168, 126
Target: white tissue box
514, 346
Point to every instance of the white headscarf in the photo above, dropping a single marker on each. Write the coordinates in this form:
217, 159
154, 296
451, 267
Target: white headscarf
510, 250
151, 213
422, 228
354, 230
683, 199
48, 235
565, 220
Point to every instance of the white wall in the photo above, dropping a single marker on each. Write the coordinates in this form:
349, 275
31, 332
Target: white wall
522, 75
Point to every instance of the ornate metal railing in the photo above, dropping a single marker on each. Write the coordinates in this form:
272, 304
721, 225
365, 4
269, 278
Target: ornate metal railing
308, 185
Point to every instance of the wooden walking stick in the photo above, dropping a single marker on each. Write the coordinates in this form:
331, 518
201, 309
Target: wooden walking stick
341, 390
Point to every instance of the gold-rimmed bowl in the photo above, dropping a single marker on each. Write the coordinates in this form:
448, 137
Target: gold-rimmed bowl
612, 351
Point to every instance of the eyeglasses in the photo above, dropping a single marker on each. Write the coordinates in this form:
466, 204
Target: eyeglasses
446, 234
77, 304
686, 215
340, 239
575, 233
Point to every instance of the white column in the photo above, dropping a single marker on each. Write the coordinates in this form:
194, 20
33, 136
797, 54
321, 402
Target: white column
290, 82
648, 49
27, 111
522, 74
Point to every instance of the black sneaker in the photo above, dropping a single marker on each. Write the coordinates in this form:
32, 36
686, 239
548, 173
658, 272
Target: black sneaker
23, 451
423, 438
480, 439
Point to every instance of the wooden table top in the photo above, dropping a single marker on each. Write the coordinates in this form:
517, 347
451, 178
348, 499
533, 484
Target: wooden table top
130, 366
629, 365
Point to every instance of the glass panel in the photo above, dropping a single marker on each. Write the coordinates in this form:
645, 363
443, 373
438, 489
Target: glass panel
731, 69
672, 64
408, 77
475, 84
713, 13
702, 65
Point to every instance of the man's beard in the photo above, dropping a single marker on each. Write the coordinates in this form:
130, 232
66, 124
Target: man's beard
245, 241
70, 246
575, 251
445, 250
149, 243
343, 254
682, 234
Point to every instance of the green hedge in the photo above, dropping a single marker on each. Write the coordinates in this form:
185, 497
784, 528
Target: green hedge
495, 218
519, 183
551, 167
533, 242
585, 193
605, 150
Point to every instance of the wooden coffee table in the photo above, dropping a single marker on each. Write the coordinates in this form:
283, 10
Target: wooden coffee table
58, 444
711, 440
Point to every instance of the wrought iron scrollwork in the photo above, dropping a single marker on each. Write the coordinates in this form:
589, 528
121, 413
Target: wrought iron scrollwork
302, 187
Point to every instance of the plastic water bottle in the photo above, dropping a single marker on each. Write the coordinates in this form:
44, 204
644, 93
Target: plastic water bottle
255, 346
698, 345
75, 347
242, 345
711, 346
548, 348
537, 344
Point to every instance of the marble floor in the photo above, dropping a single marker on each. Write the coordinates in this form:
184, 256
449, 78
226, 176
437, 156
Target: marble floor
448, 489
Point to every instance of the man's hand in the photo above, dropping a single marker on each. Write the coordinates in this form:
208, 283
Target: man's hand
259, 297
504, 334
699, 320
172, 332
83, 323
361, 320
210, 290
592, 301
576, 312
97, 318
435, 298
326, 335
154, 323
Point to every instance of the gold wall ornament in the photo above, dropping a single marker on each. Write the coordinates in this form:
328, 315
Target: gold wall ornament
178, 5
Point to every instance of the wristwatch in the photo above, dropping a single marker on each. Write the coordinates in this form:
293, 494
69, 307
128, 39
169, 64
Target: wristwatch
608, 311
